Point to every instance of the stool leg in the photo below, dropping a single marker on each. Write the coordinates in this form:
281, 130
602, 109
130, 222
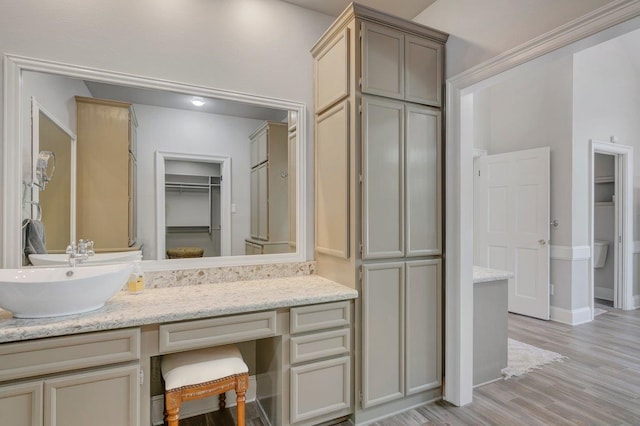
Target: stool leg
242, 384
172, 403
222, 401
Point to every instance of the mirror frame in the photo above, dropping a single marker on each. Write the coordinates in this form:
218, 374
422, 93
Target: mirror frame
36, 109
12, 157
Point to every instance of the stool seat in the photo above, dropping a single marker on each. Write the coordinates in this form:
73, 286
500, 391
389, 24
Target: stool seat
202, 365
202, 373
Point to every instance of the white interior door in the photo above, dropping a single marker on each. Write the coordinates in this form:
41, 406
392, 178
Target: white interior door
513, 225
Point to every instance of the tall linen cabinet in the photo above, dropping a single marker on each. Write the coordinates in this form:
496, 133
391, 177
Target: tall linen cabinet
378, 199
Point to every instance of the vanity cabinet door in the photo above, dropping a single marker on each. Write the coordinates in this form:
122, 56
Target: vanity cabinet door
100, 397
383, 178
382, 333
21, 405
423, 325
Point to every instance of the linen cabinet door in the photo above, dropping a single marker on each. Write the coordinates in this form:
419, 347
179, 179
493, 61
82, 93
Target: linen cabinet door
423, 231
21, 405
383, 178
292, 186
382, 61
254, 203
423, 71
382, 333
423, 325
105, 397
263, 202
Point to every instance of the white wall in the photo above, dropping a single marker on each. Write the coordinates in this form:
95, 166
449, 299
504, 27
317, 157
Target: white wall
188, 132
606, 103
483, 29
253, 46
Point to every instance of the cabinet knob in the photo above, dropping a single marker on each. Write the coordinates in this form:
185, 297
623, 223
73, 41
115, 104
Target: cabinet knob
542, 242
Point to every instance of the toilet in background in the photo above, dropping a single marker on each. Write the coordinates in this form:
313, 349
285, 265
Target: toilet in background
600, 249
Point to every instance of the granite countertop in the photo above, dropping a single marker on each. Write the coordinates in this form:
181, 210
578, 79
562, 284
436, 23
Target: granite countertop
162, 305
482, 274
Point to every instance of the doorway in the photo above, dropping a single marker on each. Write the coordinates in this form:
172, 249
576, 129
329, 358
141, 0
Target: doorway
611, 181
193, 195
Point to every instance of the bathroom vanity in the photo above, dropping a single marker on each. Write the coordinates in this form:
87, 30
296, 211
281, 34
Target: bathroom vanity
490, 314
96, 368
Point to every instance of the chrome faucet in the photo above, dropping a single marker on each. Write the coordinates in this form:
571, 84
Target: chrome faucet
80, 252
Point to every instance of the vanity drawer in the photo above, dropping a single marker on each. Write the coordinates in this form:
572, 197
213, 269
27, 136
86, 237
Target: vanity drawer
318, 317
52, 355
320, 345
216, 331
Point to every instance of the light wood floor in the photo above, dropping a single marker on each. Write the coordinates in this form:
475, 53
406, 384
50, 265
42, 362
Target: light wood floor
599, 384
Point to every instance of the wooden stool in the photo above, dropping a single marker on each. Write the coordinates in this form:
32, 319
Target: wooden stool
203, 373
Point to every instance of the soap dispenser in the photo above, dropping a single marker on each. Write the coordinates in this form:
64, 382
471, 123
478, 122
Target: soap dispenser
136, 279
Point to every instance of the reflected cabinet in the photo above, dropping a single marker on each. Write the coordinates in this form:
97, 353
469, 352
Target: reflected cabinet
378, 86
106, 173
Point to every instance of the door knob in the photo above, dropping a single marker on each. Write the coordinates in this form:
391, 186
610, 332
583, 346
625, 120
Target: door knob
542, 242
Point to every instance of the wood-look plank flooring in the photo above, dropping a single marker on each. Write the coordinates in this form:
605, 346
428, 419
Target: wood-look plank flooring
599, 383
226, 417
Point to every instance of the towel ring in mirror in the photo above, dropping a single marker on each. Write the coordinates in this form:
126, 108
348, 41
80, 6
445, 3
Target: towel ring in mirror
45, 168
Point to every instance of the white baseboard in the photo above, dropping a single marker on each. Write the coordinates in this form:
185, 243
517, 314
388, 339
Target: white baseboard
200, 406
574, 317
604, 293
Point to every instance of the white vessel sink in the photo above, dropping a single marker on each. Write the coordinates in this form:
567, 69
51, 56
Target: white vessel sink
96, 259
52, 292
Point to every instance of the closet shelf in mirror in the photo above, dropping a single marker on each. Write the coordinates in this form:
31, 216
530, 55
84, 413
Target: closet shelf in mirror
603, 203
604, 179
192, 228
178, 186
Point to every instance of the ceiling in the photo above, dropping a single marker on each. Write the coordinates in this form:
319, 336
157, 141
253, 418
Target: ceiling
407, 9
181, 101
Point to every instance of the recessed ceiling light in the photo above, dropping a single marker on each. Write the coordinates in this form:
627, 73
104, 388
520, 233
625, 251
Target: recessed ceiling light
197, 102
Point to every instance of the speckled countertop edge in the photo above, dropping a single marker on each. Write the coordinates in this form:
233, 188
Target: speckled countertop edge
163, 305
482, 274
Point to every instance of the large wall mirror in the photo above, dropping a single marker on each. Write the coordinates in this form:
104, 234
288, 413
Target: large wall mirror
187, 176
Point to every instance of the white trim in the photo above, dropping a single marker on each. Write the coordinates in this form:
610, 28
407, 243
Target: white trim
225, 197
574, 317
570, 252
623, 259
636, 247
459, 185
12, 158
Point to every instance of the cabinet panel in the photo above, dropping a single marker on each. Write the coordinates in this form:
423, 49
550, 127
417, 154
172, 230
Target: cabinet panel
253, 153
320, 388
216, 331
423, 71
21, 405
262, 142
106, 397
318, 317
383, 178
423, 324
332, 181
263, 202
382, 60
254, 203
383, 333
320, 345
45, 356
423, 177
332, 72
292, 177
